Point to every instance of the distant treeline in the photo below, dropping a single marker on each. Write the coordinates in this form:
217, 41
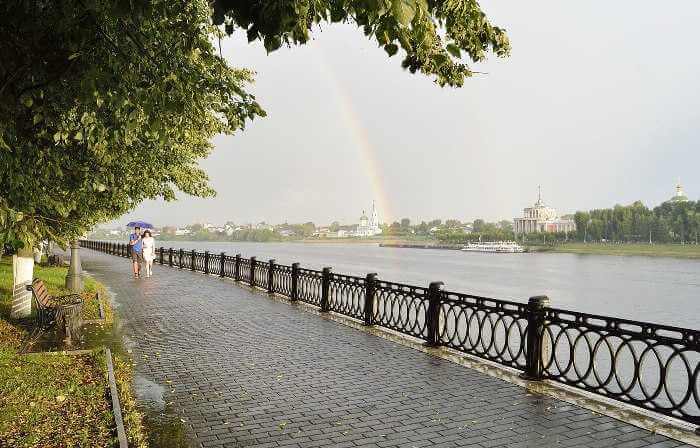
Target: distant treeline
670, 222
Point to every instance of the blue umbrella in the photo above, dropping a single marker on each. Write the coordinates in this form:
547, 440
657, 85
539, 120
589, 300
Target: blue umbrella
142, 224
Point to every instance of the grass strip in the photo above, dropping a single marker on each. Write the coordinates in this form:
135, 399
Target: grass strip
57, 400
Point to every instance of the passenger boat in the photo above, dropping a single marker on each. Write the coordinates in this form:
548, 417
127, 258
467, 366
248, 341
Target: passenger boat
501, 247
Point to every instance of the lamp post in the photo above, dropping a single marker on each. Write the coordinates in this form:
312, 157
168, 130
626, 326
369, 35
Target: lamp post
74, 282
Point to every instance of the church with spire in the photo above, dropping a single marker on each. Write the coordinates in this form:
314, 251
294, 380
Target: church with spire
369, 226
541, 218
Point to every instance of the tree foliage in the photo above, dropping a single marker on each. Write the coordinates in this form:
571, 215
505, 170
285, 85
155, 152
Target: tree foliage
667, 223
434, 34
105, 104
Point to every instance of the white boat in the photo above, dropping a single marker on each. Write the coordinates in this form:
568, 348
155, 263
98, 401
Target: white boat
500, 247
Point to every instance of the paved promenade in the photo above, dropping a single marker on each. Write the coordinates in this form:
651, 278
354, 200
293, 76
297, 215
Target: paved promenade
243, 370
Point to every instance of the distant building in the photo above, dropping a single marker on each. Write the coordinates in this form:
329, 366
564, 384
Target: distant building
322, 232
264, 226
680, 195
540, 218
180, 232
369, 226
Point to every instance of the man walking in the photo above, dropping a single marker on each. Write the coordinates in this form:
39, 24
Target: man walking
136, 246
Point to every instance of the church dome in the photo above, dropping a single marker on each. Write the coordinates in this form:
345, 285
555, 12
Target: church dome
680, 195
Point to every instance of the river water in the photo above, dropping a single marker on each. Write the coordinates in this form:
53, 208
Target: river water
660, 290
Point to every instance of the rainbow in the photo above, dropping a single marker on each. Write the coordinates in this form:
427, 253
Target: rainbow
358, 134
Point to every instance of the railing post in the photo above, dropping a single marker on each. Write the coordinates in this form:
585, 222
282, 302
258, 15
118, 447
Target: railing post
237, 268
369, 298
271, 277
206, 262
535, 348
432, 318
325, 289
194, 253
180, 257
222, 272
170, 257
295, 282
161, 252
252, 271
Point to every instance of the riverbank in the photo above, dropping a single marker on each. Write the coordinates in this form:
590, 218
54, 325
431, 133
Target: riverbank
686, 251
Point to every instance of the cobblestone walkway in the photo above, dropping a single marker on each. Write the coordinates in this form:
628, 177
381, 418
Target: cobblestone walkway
244, 370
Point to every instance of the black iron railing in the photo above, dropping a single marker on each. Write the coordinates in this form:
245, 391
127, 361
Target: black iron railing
655, 367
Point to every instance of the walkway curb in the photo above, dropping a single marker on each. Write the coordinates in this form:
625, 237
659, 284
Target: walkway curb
116, 407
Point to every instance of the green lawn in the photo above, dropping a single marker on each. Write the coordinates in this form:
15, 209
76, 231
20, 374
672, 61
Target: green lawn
650, 250
58, 400
53, 400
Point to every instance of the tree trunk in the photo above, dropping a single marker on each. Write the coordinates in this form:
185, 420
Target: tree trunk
22, 272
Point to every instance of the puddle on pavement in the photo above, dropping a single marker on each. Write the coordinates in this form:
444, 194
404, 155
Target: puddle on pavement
150, 393
165, 429
166, 432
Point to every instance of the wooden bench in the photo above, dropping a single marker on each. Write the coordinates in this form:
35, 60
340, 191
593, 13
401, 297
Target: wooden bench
63, 311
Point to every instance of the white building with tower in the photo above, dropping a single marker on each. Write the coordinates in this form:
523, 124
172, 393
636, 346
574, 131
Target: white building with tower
540, 218
369, 226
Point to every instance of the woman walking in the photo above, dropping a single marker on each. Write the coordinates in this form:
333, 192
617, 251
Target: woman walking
148, 247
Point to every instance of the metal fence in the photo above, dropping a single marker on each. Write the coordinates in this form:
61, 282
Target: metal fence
651, 366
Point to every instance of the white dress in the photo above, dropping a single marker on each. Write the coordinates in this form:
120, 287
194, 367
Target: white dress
148, 246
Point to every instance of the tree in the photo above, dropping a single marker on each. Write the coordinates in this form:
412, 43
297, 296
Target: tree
405, 224
432, 34
105, 106
506, 225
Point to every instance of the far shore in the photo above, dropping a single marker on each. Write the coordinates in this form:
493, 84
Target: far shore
687, 251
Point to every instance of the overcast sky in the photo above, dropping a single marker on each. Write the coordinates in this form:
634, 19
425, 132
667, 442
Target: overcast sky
599, 103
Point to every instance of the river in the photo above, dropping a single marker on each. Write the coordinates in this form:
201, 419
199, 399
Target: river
660, 290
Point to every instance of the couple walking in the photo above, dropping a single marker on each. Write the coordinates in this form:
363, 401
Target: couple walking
143, 250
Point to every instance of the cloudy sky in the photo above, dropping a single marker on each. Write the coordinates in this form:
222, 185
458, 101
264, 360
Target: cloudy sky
599, 103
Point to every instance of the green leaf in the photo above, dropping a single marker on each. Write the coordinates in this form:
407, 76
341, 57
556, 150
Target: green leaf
404, 11
391, 49
37, 119
454, 50
272, 43
27, 101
